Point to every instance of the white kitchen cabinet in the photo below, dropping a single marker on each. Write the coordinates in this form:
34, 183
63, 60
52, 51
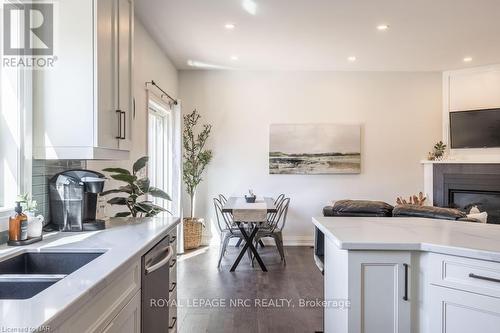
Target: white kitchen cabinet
129, 318
379, 297
377, 285
464, 294
452, 281
83, 105
456, 311
125, 60
108, 303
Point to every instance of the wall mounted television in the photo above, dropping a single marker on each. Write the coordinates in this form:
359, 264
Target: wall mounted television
475, 129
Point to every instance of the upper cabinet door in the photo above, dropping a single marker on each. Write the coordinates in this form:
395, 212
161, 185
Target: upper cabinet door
106, 72
125, 63
63, 95
474, 90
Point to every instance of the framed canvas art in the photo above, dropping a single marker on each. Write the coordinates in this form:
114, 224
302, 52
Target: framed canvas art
314, 149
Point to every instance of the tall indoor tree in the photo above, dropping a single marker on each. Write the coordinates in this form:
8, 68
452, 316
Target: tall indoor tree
196, 157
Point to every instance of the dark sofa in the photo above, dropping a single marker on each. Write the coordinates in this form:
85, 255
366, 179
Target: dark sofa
368, 208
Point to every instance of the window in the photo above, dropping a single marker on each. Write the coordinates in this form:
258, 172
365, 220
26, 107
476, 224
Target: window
160, 144
15, 136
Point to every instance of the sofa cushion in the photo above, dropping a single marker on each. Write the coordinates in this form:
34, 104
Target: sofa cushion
428, 212
358, 208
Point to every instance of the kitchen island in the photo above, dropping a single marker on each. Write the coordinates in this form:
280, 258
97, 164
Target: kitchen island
409, 274
99, 296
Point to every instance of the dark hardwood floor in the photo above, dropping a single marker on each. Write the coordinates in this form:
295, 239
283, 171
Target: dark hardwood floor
208, 297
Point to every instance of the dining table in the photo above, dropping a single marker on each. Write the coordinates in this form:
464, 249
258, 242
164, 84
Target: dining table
239, 203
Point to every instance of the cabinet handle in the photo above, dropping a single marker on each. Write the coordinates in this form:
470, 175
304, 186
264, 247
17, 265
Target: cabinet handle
405, 297
124, 125
174, 284
172, 239
134, 107
169, 252
122, 135
174, 261
486, 278
119, 112
174, 320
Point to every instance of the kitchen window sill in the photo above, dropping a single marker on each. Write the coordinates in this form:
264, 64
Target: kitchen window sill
5, 213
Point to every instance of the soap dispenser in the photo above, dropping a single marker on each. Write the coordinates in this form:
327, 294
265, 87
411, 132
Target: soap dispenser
18, 225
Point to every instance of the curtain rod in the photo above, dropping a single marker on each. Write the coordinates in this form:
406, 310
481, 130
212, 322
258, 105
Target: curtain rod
153, 83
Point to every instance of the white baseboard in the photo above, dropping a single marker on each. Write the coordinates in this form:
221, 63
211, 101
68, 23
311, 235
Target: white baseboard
206, 239
297, 241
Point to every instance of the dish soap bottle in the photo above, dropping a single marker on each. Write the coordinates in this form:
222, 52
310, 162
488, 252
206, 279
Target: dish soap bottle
18, 225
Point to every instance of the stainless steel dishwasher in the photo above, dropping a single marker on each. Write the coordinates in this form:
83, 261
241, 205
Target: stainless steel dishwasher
155, 292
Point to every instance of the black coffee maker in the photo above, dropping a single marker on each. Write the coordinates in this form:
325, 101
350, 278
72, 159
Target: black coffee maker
73, 200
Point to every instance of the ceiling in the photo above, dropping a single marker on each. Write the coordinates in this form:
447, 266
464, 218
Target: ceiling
423, 35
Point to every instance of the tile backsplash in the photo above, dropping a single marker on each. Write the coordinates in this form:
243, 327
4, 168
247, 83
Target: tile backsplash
43, 170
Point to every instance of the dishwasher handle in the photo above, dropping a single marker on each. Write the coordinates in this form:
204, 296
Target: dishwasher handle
169, 252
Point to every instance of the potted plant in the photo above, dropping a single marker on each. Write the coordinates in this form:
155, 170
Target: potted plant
28, 204
135, 189
438, 152
196, 158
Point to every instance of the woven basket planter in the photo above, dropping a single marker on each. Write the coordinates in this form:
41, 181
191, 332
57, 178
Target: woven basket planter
193, 228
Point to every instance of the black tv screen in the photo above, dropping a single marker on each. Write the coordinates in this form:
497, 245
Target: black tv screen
475, 129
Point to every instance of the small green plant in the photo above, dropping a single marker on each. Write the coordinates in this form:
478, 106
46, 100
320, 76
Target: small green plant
196, 157
136, 188
27, 203
438, 151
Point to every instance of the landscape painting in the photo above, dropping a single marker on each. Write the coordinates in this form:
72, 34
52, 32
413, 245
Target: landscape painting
314, 149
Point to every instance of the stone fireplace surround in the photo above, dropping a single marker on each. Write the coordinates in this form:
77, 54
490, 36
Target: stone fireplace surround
461, 185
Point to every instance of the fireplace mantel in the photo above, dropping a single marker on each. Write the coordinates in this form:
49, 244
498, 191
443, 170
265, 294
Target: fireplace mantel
461, 161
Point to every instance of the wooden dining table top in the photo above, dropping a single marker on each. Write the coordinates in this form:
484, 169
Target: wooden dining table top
240, 203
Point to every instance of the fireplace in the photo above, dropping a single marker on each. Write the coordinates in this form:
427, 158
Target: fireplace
465, 185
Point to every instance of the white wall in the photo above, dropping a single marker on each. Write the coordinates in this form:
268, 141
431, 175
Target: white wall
400, 114
150, 63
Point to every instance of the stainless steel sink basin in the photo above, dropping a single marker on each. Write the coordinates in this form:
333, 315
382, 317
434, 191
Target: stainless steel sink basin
47, 262
21, 287
27, 274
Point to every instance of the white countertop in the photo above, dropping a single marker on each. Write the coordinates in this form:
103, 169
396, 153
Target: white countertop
124, 240
467, 239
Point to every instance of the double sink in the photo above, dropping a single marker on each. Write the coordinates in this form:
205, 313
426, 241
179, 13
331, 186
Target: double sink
28, 273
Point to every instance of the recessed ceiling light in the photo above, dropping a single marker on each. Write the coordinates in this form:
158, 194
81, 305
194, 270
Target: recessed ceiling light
467, 59
200, 64
234, 58
250, 6
351, 58
382, 27
229, 26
